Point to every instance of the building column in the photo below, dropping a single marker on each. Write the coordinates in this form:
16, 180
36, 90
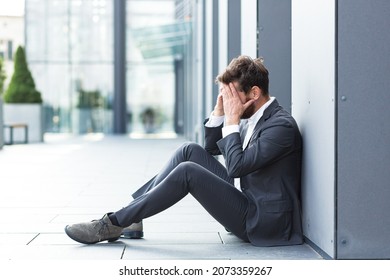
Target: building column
234, 29
119, 104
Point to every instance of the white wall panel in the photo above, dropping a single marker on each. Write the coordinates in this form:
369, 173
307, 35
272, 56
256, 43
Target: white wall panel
223, 34
249, 28
313, 106
209, 79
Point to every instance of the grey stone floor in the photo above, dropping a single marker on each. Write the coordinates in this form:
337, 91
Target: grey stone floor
68, 179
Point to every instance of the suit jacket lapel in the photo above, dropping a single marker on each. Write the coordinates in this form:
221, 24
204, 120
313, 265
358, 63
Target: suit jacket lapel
266, 115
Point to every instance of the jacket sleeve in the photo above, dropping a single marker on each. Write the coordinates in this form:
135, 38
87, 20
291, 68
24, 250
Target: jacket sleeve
212, 136
267, 146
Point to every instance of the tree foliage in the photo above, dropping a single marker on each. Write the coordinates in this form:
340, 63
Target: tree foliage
2, 76
22, 87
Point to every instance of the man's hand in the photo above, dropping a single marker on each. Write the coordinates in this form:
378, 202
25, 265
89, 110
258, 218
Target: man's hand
233, 106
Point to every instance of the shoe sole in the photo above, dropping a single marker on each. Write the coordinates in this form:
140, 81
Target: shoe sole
132, 235
85, 242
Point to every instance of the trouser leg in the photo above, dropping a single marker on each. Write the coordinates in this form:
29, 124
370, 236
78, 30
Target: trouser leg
187, 152
224, 202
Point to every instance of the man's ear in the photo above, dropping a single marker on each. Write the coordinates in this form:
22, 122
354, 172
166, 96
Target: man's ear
255, 92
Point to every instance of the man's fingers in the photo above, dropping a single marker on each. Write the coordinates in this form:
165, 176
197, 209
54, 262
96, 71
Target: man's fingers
232, 89
248, 103
223, 91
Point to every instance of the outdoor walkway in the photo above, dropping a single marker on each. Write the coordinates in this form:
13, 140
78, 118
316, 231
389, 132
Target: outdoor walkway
74, 179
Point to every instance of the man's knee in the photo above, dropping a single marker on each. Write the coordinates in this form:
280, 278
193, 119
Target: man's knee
189, 148
187, 167
189, 173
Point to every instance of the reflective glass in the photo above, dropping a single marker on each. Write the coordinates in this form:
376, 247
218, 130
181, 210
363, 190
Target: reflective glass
155, 38
70, 51
151, 98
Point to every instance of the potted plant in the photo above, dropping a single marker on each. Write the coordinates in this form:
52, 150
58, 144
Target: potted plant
2, 79
23, 103
90, 106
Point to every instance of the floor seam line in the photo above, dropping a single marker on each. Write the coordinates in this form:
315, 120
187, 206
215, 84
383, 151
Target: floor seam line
28, 243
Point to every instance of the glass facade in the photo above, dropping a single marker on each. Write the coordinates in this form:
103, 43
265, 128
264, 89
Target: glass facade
154, 41
70, 50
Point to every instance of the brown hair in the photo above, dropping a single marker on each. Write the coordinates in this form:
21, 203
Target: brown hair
247, 72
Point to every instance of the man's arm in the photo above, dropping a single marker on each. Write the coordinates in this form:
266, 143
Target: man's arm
211, 136
213, 127
228, 109
273, 143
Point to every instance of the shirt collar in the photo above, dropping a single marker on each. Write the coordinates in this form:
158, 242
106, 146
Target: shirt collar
259, 113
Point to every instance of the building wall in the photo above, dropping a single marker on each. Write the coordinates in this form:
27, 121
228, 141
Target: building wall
363, 131
11, 36
274, 25
313, 106
340, 69
249, 40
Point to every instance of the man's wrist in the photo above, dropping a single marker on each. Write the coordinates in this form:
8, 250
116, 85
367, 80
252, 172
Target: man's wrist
232, 121
218, 113
214, 121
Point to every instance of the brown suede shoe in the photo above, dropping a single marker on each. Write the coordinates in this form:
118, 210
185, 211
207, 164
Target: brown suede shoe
134, 231
94, 231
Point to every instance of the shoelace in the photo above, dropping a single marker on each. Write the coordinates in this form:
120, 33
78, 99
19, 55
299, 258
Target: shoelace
103, 227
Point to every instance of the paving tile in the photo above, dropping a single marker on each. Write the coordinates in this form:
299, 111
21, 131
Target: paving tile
229, 238
109, 201
183, 227
151, 239
216, 252
174, 238
52, 239
40, 200
16, 238
103, 251
177, 216
66, 219
173, 252
248, 251
10, 216
31, 228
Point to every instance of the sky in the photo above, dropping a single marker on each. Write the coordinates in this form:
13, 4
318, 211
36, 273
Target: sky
11, 7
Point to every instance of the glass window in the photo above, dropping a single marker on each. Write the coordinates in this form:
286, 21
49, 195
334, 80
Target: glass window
91, 28
69, 47
155, 38
151, 97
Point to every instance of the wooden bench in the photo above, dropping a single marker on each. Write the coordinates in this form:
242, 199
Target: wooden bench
11, 128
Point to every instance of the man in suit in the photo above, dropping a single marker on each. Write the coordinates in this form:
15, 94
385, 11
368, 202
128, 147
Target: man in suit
256, 196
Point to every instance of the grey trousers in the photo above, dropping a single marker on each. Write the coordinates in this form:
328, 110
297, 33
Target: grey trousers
190, 170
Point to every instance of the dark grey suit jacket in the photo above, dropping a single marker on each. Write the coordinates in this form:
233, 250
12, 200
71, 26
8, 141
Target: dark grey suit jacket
270, 172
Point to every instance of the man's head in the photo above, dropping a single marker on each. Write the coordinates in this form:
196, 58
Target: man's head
250, 78
247, 73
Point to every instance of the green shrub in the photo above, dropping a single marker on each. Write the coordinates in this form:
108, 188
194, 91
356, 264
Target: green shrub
90, 99
2, 76
22, 87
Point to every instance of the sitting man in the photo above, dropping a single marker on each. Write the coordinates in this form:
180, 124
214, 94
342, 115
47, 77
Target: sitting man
256, 196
